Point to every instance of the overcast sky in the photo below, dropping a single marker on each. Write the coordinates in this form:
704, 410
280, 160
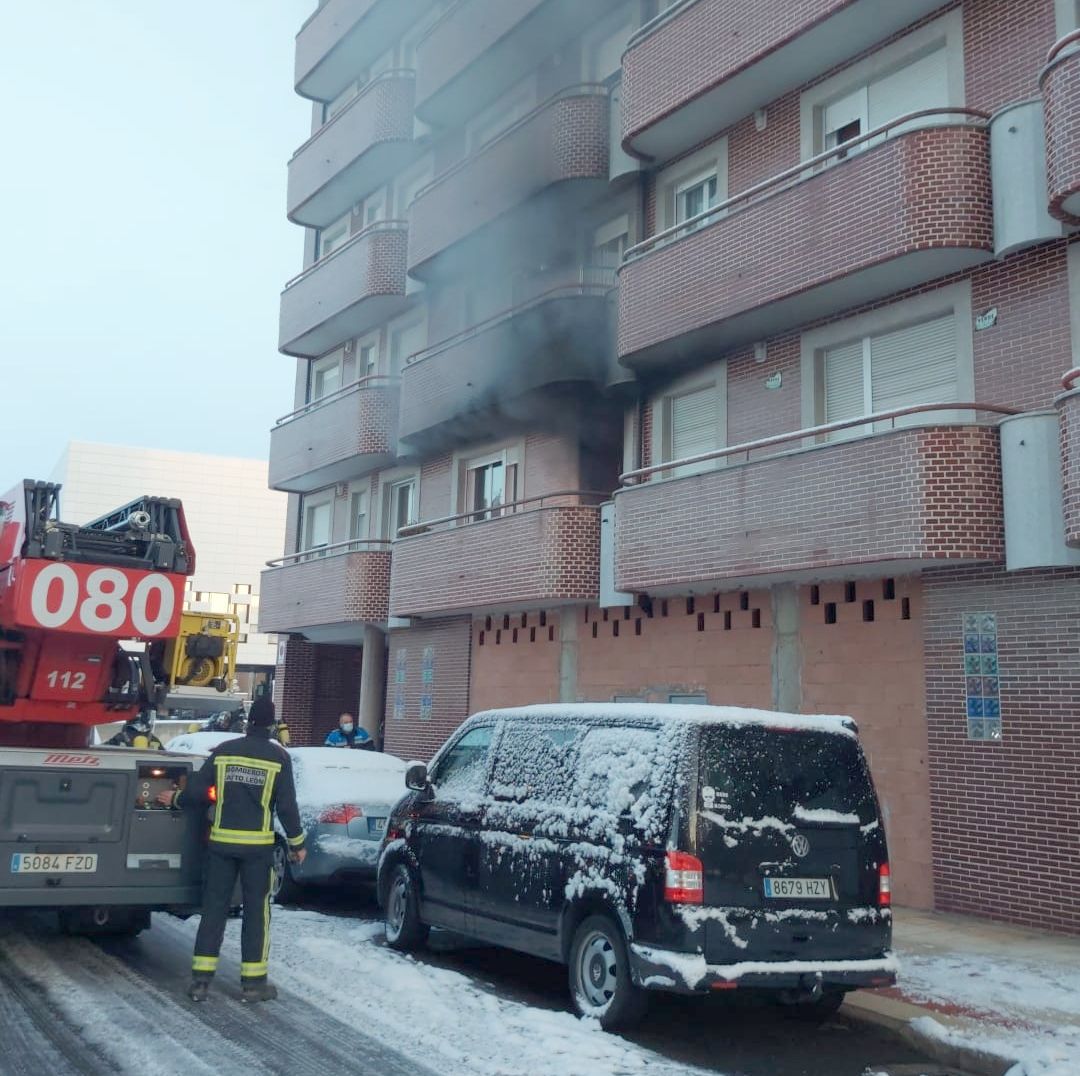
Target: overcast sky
143, 241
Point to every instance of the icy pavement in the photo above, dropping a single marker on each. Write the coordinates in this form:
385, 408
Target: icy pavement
437, 1015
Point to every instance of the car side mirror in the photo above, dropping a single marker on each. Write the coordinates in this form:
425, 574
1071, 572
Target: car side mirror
416, 777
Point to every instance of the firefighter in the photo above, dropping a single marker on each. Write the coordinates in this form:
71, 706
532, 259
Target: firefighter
280, 732
250, 777
138, 732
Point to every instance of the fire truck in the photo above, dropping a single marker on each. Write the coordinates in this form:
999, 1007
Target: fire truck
86, 613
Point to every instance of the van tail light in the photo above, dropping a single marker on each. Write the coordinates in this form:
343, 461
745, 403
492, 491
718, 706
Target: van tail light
683, 879
394, 834
884, 893
341, 815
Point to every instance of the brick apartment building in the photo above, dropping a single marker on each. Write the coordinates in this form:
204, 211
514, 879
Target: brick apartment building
583, 283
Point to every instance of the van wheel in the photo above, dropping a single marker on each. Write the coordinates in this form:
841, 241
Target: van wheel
404, 929
814, 1012
600, 983
284, 889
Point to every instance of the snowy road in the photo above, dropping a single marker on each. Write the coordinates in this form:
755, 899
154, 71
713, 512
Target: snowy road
350, 1005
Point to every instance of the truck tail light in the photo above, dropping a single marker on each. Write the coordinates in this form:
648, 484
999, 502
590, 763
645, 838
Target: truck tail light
884, 893
211, 793
342, 814
683, 879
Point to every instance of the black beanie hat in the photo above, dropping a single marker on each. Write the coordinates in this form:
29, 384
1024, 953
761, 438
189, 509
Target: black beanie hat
261, 714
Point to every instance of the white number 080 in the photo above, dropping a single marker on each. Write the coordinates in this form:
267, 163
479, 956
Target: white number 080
101, 605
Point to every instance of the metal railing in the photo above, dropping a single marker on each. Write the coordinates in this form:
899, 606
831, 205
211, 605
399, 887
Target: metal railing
582, 280
337, 549
1061, 45
583, 89
376, 226
656, 22
800, 173
1069, 380
372, 381
383, 76
747, 447
511, 508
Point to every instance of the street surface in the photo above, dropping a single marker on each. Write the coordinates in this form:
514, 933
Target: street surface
349, 1005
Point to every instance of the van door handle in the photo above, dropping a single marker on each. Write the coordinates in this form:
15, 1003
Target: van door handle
526, 835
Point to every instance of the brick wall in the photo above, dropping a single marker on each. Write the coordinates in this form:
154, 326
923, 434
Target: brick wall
410, 735
515, 659
923, 190
1007, 814
1069, 409
906, 495
1005, 46
1061, 98
872, 670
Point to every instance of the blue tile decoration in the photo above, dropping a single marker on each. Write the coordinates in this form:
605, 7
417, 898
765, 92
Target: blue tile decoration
400, 659
427, 677
982, 685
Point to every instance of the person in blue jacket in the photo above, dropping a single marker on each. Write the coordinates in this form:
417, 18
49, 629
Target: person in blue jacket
349, 734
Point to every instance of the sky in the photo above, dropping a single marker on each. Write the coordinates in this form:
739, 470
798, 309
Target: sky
143, 243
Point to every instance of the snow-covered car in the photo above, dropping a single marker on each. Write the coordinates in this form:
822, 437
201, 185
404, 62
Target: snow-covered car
345, 798
199, 743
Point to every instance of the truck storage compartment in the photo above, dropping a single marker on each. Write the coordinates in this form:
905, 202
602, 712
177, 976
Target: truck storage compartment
44, 805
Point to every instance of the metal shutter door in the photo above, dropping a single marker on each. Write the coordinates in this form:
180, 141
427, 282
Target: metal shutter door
915, 365
694, 423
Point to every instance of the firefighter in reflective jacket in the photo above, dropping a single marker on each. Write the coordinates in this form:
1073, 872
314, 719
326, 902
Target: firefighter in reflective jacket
251, 778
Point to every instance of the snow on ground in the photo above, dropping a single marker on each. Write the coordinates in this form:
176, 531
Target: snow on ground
1029, 1012
438, 1016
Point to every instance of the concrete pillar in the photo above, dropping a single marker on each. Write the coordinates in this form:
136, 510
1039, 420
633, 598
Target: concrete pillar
568, 655
787, 652
373, 681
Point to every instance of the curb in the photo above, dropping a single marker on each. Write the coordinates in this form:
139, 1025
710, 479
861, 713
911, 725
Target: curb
896, 1017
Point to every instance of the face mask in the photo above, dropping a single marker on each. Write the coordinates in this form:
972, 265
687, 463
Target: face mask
347, 727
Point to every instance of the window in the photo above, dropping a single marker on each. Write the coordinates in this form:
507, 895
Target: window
915, 352
359, 528
922, 70
618, 773
485, 484
610, 241
400, 506
694, 196
373, 208
463, 769
688, 700
514, 105
692, 186
317, 518
1068, 16
691, 422
334, 236
367, 356
406, 340
241, 588
326, 375
534, 763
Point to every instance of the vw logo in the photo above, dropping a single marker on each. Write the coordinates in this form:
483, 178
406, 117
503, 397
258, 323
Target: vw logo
800, 845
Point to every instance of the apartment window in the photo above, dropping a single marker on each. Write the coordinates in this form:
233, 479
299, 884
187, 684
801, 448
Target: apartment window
491, 123
485, 482
691, 422
241, 588
405, 340
334, 236
359, 526
367, 356
688, 700
317, 517
610, 241
400, 506
915, 352
373, 208
923, 70
695, 195
326, 375
693, 185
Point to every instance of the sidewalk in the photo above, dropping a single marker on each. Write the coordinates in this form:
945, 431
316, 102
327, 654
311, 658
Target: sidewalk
984, 997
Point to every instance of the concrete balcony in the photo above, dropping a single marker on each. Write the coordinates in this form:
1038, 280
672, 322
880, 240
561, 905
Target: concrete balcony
341, 437
1060, 83
327, 595
350, 291
1068, 405
481, 47
361, 148
539, 553
342, 37
561, 145
910, 203
559, 332
905, 498
702, 65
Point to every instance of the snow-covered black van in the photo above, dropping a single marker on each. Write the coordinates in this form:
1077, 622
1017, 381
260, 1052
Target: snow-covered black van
682, 848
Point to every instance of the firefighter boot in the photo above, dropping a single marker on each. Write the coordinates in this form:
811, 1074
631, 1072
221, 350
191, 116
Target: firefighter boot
198, 989
258, 990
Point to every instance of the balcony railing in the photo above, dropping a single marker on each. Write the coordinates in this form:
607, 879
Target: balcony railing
923, 488
913, 194
325, 593
533, 553
702, 65
343, 295
563, 141
344, 435
1068, 406
557, 330
361, 148
1060, 84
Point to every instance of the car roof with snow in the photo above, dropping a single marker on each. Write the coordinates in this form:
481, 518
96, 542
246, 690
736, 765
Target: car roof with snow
330, 775
200, 743
675, 714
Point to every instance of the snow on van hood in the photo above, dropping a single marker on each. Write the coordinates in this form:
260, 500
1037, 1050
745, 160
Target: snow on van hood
692, 714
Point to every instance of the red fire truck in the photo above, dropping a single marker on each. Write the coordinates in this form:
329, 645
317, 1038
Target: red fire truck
84, 614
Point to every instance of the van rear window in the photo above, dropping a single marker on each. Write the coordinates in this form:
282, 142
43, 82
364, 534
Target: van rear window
756, 772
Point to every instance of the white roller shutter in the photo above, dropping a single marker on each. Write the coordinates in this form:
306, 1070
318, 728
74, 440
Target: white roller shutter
845, 392
916, 365
694, 426
918, 85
